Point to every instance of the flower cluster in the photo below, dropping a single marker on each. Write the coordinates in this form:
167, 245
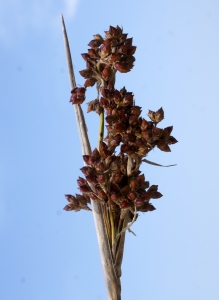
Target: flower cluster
115, 180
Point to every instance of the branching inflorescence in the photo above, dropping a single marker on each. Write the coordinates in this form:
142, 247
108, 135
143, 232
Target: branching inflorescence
114, 180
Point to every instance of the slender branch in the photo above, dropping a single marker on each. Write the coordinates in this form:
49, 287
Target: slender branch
112, 281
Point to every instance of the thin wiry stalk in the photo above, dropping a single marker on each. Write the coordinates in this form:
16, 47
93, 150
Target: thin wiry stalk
111, 279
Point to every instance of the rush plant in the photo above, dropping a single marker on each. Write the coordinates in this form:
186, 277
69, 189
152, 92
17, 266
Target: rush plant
112, 183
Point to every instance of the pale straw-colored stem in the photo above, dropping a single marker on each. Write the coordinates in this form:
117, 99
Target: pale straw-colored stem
112, 281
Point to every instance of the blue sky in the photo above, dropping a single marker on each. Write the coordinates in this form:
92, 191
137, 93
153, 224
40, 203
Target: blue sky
47, 253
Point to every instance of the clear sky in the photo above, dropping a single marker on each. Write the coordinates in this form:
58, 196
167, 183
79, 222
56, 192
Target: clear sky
50, 254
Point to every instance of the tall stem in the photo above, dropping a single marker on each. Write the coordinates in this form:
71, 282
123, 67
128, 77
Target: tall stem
111, 280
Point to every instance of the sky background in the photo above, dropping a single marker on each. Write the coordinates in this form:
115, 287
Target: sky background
47, 253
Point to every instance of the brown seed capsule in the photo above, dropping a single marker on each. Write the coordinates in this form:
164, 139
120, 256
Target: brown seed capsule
129, 137
156, 195
84, 188
105, 50
135, 110
81, 91
114, 196
69, 207
151, 115
91, 179
101, 178
93, 197
81, 181
147, 135
76, 100
125, 204
92, 53
123, 49
90, 82
159, 115
71, 198
122, 67
106, 93
131, 50
101, 194
128, 99
111, 119
96, 154
86, 159
87, 73
104, 103
106, 73
146, 195
132, 195
157, 132
133, 119
120, 127
99, 167
128, 149
116, 96
114, 57
153, 188
172, 140
139, 201
95, 43
86, 170
163, 146
134, 184
85, 56
117, 177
